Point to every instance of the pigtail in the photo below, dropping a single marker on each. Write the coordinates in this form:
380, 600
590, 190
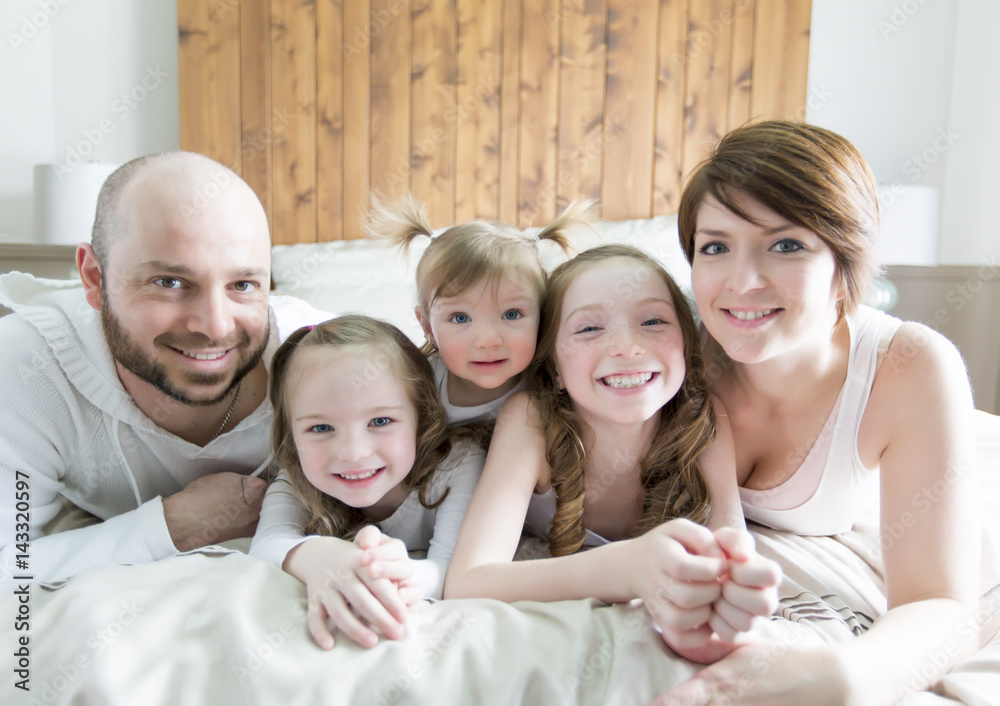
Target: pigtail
579, 214
399, 222
567, 457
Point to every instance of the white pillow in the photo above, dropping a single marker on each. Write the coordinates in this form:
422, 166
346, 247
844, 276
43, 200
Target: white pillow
364, 276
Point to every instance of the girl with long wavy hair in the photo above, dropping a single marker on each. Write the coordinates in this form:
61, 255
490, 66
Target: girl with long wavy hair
617, 438
370, 471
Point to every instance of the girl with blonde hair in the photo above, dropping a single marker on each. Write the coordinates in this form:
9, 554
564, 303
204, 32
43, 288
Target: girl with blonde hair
617, 438
370, 471
480, 286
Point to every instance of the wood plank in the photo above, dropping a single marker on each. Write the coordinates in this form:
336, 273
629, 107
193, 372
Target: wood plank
476, 116
740, 63
357, 101
629, 121
510, 113
329, 121
581, 100
390, 97
781, 58
209, 79
433, 91
293, 58
706, 99
669, 150
256, 126
539, 112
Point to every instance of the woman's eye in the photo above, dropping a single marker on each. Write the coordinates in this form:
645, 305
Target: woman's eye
168, 282
712, 249
321, 428
380, 421
512, 315
788, 245
459, 318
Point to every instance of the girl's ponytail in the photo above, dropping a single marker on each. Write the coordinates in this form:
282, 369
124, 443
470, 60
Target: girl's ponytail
579, 214
399, 222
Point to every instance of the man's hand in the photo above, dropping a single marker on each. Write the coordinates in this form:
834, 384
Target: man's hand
214, 508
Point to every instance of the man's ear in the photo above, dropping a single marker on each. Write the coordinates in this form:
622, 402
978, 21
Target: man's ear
90, 274
425, 324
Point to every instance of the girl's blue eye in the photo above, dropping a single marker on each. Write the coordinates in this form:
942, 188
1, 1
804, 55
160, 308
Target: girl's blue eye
512, 315
460, 318
587, 329
380, 421
653, 321
788, 245
321, 428
712, 249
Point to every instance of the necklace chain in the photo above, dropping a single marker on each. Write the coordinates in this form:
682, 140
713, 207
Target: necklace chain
229, 414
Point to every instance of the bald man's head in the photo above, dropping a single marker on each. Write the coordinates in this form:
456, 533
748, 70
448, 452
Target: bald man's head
169, 186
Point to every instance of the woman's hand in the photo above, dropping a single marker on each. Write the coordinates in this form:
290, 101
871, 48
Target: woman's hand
352, 586
766, 673
749, 590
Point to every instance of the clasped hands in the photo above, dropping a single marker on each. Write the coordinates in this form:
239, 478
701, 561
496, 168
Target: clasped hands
363, 588
702, 588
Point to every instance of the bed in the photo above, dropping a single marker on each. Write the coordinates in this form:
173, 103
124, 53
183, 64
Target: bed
215, 626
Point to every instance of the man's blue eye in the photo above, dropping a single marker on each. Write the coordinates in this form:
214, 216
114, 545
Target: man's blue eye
168, 282
512, 315
381, 421
460, 318
321, 428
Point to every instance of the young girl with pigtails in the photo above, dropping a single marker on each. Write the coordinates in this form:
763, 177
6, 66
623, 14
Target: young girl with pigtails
480, 287
617, 445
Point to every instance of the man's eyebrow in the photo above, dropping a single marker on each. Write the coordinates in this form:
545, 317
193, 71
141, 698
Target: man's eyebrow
179, 269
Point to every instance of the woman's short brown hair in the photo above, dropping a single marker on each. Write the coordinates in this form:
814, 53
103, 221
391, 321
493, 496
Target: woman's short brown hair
808, 175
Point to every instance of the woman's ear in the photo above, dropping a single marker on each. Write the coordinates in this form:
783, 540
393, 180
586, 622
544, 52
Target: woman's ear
425, 324
90, 274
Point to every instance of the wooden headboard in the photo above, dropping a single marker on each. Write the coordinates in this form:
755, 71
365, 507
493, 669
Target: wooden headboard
503, 109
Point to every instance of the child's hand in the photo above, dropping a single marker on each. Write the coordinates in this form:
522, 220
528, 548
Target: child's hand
383, 564
676, 568
749, 590
342, 591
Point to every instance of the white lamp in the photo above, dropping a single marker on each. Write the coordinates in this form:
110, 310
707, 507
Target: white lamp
909, 225
65, 201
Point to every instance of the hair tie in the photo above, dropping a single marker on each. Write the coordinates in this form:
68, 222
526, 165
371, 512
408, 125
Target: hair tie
312, 326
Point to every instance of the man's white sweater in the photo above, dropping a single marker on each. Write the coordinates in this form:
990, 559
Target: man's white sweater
71, 430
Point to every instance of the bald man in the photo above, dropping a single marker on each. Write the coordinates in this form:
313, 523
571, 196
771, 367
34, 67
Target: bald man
141, 396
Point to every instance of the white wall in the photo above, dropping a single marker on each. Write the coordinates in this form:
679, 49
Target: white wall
969, 209
915, 84
90, 79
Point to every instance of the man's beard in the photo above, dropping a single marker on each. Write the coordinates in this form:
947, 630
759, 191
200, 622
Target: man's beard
147, 368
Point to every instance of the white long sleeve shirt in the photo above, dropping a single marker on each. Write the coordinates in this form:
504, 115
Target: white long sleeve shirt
283, 518
72, 430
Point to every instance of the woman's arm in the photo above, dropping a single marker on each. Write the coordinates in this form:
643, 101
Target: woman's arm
718, 467
922, 406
